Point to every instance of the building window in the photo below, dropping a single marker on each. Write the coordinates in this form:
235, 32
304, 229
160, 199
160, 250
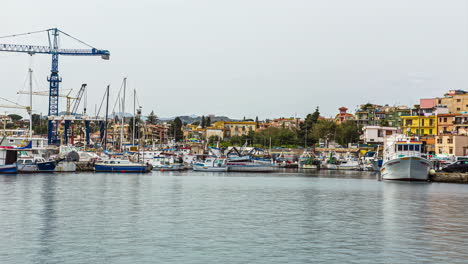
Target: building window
449, 140
458, 100
440, 101
431, 122
12, 141
458, 108
422, 122
422, 131
440, 151
450, 150
409, 122
439, 141
445, 119
430, 131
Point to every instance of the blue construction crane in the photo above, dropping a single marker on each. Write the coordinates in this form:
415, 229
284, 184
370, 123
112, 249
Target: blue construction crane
54, 79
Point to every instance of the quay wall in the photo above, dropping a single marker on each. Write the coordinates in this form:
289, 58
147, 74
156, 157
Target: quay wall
450, 177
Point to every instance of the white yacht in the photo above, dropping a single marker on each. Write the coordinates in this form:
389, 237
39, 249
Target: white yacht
403, 160
211, 164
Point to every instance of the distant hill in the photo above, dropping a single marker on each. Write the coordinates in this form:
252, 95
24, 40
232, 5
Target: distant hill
192, 118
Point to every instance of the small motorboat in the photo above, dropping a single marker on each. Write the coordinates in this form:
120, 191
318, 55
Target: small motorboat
121, 166
35, 164
211, 164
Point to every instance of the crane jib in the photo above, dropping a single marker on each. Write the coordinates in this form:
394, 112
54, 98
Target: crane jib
47, 50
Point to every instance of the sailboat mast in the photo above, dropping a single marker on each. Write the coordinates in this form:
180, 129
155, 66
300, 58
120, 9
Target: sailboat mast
134, 115
30, 104
123, 115
107, 117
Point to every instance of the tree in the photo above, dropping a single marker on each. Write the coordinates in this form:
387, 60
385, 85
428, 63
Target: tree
15, 117
383, 122
208, 121
152, 119
348, 132
203, 122
177, 129
196, 123
305, 134
324, 129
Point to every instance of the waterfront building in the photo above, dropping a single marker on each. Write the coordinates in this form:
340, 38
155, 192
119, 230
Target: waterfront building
376, 115
376, 134
234, 128
451, 145
419, 125
291, 123
446, 124
343, 115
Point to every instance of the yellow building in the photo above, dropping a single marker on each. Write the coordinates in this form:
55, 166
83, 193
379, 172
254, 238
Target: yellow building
419, 125
233, 128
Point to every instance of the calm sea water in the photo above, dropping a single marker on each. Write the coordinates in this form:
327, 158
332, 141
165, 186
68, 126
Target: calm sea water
192, 217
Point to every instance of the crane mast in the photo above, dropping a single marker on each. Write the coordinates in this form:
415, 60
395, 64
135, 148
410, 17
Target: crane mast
54, 79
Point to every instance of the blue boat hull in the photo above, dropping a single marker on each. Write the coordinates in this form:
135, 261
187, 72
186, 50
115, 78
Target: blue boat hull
120, 169
8, 169
46, 166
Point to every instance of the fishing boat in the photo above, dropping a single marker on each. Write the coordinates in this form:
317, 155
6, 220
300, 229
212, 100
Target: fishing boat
121, 166
30, 164
211, 165
308, 161
403, 159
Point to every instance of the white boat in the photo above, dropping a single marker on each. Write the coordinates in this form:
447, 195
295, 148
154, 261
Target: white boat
165, 162
121, 166
65, 166
403, 160
211, 164
349, 164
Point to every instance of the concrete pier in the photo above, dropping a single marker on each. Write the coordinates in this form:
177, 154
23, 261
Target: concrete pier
450, 177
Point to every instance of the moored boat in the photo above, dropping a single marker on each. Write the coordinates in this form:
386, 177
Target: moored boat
121, 166
403, 160
211, 165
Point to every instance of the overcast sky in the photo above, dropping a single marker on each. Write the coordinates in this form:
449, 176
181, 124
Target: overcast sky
266, 58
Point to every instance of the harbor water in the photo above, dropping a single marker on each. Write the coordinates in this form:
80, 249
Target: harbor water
199, 217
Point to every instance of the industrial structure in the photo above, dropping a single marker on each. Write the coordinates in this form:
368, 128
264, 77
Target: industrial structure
54, 79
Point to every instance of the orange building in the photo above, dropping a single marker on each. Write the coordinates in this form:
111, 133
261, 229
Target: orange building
343, 115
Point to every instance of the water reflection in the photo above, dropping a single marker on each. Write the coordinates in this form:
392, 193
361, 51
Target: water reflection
47, 231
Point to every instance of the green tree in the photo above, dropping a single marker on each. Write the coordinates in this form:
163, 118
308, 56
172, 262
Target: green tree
15, 117
383, 122
208, 121
324, 129
177, 129
152, 119
203, 122
196, 123
348, 132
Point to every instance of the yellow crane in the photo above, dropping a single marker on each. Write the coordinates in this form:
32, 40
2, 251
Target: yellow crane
46, 93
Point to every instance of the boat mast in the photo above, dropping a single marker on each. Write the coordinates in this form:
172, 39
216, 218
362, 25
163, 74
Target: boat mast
107, 117
123, 115
134, 115
30, 104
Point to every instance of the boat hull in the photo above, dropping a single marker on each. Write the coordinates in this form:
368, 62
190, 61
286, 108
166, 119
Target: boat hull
308, 166
209, 169
122, 169
250, 167
168, 167
8, 169
406, 169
